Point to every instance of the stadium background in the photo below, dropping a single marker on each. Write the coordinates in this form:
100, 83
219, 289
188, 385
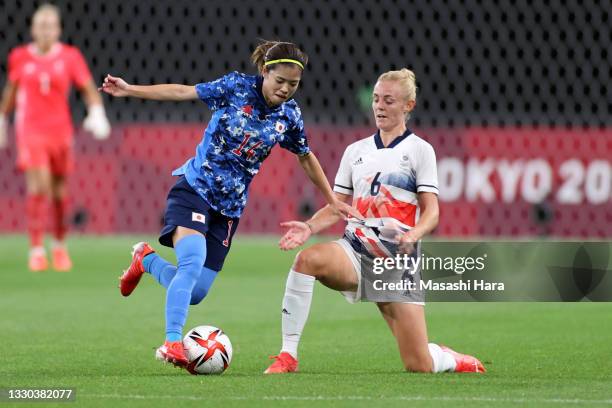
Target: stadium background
522, 84
513, 95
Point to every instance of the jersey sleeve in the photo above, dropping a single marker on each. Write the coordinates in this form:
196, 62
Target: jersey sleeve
79, 72
344, 177
427, 171
216, 93
13, 68
294, 138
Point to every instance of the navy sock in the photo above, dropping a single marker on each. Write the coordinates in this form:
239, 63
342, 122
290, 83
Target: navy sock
162, 270
190, 254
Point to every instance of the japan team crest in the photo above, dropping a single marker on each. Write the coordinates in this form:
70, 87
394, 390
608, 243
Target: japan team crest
280, 127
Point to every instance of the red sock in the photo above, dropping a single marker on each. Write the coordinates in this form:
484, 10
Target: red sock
60, 209
35, 211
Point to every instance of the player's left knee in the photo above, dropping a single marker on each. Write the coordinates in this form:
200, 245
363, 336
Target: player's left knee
307, 262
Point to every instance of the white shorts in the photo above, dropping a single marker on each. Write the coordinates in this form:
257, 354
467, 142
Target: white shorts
355, 257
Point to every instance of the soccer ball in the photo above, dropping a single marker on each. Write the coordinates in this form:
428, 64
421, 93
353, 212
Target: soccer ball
208, 349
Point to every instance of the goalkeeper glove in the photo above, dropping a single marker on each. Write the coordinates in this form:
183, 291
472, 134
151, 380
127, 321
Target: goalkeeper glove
97, 123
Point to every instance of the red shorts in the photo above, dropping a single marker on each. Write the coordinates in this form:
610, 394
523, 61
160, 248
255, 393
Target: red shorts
57, 157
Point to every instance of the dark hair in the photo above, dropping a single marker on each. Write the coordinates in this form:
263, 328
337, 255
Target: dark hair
273, 50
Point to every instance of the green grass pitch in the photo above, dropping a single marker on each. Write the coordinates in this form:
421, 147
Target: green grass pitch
75, 330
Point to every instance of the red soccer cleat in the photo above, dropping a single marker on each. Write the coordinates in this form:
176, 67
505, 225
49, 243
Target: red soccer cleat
131, 276
37, 260
172, 352
285, 363
465, 363
60, 259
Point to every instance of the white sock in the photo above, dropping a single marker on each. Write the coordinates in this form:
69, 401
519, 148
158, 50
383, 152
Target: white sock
57, 244
38, 251
296, 306
442, 361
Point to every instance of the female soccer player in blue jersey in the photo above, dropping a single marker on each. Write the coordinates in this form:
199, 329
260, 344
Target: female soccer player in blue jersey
251, 114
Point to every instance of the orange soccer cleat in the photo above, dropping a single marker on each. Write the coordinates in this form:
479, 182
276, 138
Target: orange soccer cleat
172, 352
285, 363
60, 259
37, 260
131, 276
465, 363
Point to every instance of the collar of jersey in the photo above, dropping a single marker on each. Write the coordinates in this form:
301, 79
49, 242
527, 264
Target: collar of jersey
395, 142
262, 100
55, 49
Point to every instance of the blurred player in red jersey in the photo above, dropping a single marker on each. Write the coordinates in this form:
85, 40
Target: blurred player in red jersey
40, 75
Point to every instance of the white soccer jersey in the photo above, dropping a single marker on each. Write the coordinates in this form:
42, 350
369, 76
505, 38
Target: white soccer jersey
384, 182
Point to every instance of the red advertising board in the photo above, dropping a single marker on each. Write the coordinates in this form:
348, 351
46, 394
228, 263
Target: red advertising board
493, 181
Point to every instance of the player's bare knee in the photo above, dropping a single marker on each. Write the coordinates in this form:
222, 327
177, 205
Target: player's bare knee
306, 262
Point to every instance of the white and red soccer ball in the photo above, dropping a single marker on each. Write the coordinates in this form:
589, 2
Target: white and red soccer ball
208, 349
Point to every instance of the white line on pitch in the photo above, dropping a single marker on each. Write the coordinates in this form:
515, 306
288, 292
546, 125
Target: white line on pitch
352, 398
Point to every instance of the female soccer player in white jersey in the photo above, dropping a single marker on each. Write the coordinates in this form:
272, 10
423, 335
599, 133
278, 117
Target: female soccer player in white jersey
390, 177
251, 114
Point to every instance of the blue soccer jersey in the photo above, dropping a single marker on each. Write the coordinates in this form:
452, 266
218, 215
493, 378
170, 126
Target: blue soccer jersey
241, 133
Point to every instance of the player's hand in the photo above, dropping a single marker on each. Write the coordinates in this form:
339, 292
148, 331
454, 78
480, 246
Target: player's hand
345, 210
296, 236
3, 132
407, 242
96, 122
114, 86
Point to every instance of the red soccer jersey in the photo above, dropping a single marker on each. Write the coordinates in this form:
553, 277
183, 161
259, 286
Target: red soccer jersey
43, 86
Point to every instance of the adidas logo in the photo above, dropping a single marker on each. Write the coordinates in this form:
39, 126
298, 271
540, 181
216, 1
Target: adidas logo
285, 311
358, 161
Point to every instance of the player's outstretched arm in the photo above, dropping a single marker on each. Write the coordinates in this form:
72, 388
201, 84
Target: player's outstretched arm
117, 87
298, 232
315, 173
7, 104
